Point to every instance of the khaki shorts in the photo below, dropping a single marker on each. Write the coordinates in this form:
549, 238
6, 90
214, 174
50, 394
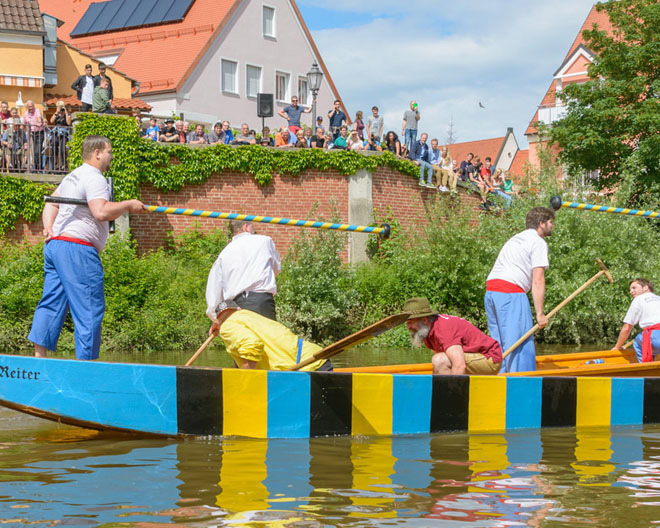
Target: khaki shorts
480, 364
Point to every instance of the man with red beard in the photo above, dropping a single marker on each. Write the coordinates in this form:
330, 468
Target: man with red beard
458, 346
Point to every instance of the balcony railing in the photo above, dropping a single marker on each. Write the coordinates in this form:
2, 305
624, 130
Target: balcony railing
37, 150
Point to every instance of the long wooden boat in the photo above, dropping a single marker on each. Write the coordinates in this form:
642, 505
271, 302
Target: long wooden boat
610, 363
179, 401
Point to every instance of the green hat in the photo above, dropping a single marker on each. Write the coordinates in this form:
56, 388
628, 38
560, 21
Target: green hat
419, 307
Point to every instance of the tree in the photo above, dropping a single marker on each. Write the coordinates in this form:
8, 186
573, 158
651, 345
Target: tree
614, 118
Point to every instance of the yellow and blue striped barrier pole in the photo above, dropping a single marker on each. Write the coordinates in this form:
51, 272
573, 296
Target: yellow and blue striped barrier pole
556, 203
383, 230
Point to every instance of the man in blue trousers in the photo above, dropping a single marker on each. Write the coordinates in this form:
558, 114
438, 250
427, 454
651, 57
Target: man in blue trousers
519, 267
75, 236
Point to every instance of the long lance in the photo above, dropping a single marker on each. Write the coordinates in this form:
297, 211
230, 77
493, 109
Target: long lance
383, 231
556, 203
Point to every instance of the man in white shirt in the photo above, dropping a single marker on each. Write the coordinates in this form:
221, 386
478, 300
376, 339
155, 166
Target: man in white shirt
75, 235
84, 87
645, 312
520, 266
244, 272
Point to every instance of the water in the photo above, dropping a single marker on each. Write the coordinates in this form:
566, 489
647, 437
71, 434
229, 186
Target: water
53, 475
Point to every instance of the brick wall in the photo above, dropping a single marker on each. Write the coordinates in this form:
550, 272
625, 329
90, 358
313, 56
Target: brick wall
285, 196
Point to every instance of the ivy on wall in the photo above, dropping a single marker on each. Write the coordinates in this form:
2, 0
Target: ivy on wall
170, 167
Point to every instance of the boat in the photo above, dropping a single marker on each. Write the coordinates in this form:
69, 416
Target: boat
179, 401
610, 363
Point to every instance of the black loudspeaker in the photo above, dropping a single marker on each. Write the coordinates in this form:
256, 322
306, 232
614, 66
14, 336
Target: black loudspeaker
265, 105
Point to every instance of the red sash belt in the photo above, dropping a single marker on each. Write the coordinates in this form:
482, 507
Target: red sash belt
502, 286
647, 347
74, 240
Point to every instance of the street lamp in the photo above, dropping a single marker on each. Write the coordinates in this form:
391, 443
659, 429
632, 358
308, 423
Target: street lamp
314, 78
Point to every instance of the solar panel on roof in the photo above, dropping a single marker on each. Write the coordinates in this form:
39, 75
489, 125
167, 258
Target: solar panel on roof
159, 12
123, 16
114, 15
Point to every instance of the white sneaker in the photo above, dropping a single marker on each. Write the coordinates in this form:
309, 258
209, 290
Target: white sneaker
442, 188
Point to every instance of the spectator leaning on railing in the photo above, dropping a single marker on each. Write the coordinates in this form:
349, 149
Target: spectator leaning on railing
318, 141
169, 133
60, 135
14, 141
229, 135
245, 137
198, 136
34, 120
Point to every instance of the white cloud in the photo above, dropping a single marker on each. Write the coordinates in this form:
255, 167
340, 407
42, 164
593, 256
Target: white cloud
449, 56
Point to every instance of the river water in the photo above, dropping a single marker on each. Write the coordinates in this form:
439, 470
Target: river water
53, 475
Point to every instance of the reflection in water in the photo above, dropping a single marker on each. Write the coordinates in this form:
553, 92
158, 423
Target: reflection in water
52, 475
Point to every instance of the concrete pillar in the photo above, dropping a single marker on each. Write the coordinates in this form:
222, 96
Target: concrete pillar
360, 211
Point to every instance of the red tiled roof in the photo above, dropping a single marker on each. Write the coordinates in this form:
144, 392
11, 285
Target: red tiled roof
72, 102
600, 19
517, 168
481, 148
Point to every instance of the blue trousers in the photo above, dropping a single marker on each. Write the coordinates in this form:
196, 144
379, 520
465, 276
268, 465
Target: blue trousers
509, 317
73, 280
655, 344
425, 166
410, 138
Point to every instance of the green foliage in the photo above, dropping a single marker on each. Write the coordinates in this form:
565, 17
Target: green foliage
20, 198
315, 289
617, 112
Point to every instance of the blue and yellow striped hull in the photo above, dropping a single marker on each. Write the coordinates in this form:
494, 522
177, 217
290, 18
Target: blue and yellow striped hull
177, 401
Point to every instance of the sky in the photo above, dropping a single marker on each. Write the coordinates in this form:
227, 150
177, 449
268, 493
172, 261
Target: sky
449, 56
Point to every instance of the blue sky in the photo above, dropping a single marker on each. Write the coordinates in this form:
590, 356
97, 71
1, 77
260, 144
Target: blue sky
448, 56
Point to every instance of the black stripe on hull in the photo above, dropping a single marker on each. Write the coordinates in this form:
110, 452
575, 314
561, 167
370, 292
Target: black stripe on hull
559, 402
450, 403
199, 401
651, 400
331, 405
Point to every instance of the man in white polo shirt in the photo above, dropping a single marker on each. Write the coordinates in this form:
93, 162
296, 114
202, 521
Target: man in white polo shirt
520, 266
244, 272
645, 312
75, 235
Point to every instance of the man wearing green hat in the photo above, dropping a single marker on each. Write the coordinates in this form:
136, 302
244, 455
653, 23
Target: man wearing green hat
458, 346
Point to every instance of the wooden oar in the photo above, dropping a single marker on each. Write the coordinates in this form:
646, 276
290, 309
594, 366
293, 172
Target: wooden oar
200, 350
603, 271
355, 339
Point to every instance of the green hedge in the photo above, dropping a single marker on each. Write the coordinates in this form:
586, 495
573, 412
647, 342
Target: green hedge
170, 167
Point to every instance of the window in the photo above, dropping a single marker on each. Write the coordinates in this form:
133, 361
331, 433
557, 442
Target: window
303, 91
228, 76
252, 80
282, 86
268, 18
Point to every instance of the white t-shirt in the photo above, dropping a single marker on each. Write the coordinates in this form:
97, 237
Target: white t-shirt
644, 310
87, 183
248, 263
518, 257
88, 90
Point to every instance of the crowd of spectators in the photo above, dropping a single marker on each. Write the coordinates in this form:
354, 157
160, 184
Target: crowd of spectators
28, 143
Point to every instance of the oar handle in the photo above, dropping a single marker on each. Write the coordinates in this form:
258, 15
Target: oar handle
553, 312
200, 350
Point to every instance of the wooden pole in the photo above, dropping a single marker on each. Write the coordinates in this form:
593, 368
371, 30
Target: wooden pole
200, 350
603, 271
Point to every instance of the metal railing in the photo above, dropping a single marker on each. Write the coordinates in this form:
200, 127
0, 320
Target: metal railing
34, 150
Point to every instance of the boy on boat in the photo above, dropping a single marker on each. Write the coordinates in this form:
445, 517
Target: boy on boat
257, 342
75, 235
458, 346
645, 312
520, 266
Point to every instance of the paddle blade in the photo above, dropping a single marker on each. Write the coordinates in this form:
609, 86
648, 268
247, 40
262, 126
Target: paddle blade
355, 339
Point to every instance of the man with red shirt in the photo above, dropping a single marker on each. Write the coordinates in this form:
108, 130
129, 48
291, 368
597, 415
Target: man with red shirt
458, 346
